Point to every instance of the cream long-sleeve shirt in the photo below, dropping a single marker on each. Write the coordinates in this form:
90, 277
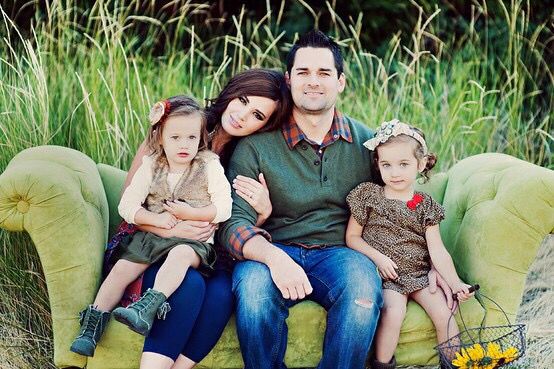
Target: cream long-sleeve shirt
135, 195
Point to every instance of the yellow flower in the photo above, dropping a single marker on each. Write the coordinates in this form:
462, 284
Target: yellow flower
494, 351
476, 357
476, 352
510, 354
462, 360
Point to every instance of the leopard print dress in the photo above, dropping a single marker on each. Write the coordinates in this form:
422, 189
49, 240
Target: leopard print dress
398, 231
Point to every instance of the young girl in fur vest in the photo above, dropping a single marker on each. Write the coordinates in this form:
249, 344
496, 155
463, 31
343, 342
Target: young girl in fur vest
181, 180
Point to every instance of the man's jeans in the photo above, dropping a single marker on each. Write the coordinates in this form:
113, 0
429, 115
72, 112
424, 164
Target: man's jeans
345, 283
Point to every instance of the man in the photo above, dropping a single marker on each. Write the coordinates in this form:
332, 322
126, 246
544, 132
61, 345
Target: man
310, 165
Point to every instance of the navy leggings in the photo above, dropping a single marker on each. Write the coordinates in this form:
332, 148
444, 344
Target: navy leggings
200, 309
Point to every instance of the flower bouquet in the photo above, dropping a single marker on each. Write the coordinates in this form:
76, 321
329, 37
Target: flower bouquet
483, 347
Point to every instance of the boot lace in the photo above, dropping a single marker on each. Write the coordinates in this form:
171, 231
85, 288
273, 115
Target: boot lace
163, 310
88, 323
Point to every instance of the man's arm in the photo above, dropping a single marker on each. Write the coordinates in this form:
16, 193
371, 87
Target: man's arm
246, 241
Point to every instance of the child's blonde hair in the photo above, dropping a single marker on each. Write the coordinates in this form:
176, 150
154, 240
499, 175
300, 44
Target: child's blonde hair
174, 106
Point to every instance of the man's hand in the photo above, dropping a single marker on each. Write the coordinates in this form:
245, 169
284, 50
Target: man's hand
435, 279
193, 229
289, 277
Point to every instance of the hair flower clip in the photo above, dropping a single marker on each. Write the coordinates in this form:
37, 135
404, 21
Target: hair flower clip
159, 112
394, 128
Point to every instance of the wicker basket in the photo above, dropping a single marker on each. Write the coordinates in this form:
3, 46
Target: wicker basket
483, 347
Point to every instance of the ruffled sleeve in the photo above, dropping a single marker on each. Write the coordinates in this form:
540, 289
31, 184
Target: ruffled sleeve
433, 212
360, 201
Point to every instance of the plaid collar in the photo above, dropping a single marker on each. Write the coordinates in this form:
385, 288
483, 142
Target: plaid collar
339, 128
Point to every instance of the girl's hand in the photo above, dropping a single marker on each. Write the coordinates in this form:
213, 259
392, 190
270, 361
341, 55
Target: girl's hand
254, 193
386, 267
165, 220
435, 279
179, 209
461, 290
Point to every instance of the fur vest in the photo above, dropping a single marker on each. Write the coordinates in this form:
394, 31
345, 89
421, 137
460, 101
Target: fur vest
191, 188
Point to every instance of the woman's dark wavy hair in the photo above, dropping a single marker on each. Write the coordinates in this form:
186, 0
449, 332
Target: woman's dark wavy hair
252, 82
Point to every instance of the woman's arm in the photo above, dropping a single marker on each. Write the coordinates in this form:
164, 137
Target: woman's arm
385, 266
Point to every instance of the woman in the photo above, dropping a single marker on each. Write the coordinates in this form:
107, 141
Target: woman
255, 100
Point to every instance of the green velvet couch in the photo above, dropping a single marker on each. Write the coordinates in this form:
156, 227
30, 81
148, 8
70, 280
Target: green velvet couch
498, 210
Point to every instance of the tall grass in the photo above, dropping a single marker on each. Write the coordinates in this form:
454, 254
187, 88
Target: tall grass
85, 78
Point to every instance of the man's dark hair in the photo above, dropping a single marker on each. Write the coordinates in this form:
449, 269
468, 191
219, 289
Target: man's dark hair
316, 39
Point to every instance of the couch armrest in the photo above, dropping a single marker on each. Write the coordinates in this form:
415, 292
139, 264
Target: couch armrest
112, 179
498, 211
56, 195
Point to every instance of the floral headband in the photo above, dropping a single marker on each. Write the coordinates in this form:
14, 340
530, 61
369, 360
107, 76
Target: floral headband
159, 112
394, 128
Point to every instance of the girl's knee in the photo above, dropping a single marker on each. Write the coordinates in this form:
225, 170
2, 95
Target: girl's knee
185, 254
123, 268
393, 312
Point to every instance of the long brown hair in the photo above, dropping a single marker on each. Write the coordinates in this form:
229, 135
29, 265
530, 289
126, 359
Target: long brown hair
178, 106
252, 82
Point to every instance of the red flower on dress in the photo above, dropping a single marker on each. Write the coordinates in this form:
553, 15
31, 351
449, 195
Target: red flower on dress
412, 204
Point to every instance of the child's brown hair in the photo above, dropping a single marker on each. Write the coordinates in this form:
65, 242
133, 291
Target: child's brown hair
419, 154
175, 106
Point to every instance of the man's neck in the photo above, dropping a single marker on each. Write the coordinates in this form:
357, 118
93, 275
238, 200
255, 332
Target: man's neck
314, 126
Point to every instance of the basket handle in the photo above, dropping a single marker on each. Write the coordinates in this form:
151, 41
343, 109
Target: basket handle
474, 288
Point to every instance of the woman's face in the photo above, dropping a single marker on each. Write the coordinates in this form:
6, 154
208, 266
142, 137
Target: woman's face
247, 114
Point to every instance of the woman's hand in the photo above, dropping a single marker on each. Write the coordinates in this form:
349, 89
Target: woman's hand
386, 267
256, 194
193, 229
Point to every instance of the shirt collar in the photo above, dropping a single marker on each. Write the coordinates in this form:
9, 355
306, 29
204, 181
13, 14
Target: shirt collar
339, 129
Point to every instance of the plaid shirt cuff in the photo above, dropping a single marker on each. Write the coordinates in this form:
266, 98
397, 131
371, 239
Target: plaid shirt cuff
241, 235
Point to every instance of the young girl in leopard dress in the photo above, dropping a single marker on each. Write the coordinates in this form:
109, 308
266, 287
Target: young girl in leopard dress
398, 229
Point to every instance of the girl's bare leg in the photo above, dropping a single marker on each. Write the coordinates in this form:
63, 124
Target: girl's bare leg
122, 274
388, 331
174, 268
435, 306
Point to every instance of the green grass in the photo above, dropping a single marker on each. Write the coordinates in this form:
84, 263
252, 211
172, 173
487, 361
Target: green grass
85, 79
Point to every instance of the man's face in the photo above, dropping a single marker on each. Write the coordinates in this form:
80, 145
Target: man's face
313, 80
